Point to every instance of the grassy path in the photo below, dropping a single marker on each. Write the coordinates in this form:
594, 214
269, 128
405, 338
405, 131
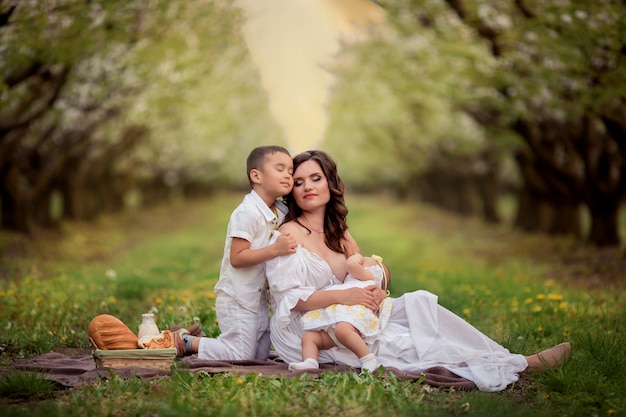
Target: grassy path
527, 292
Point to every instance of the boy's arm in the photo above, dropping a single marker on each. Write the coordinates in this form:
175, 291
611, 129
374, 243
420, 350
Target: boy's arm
242, 256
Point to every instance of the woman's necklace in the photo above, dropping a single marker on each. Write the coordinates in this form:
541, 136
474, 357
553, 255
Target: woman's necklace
307, 224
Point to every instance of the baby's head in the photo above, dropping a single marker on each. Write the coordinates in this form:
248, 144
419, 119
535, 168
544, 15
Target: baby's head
386, 272
376, 260
356, 261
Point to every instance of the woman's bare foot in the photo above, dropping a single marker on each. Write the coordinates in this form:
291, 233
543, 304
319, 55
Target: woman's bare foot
549, 358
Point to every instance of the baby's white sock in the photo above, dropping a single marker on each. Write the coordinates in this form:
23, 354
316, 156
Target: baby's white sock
308, 363
369, 362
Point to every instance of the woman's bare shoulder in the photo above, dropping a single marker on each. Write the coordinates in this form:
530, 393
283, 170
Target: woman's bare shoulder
290, 227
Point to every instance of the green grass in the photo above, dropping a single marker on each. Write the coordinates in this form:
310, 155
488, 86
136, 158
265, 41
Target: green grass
25, 385
527, 292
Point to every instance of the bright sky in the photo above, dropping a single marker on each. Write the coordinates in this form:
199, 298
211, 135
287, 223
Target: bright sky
289, 40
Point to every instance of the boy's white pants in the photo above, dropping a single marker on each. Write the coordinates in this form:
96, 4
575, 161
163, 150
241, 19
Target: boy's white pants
244, 334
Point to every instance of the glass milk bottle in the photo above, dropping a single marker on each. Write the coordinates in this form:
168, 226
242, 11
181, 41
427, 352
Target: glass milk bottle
147, 327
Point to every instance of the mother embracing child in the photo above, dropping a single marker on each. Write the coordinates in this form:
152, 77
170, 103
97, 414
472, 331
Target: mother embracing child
418, 333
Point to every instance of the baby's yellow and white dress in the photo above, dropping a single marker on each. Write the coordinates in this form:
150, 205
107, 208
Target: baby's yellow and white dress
362, 318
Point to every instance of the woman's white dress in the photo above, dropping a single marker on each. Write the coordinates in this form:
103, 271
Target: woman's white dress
362, 318
418, 334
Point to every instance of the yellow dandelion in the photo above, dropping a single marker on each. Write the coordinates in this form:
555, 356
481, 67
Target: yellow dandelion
555, 297
528, 301
211, 295
563, 305
158, 301
540, 297
515, 303
466, 311
170, 308
540, 329
111, 299
240, 381
536, 309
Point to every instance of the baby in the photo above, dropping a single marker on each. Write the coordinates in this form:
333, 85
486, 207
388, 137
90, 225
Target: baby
350, 326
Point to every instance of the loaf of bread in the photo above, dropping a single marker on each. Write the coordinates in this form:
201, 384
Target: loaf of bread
110, 333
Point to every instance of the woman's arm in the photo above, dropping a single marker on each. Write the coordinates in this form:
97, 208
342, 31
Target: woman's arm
350, 244
352, 296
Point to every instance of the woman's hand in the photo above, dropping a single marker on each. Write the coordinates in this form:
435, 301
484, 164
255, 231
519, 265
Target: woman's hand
380, 294
361, 296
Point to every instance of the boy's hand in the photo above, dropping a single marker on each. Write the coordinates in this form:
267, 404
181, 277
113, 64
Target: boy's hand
285, 244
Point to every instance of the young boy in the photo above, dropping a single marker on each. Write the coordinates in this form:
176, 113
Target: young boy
242, 301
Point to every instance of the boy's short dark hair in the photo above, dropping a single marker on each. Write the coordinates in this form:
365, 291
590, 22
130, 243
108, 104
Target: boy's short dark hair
257, 157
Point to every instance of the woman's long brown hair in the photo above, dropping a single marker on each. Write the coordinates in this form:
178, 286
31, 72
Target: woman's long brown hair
335, 225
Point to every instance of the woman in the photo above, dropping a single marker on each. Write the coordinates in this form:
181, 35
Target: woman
418, 334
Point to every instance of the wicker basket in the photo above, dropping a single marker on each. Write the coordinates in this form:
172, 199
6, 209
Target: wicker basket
141, 358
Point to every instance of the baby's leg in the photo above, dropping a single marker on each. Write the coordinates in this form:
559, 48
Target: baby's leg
351, 338
312, 342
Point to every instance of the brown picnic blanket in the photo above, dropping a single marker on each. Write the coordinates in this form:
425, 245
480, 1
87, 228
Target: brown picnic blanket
75, 367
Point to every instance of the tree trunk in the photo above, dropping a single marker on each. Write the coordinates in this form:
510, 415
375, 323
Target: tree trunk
449, 184
14, 215
15, 209
42, 214
462, 189
566, 220
77, 199
533, 214
604, 223
487, 188
544, 204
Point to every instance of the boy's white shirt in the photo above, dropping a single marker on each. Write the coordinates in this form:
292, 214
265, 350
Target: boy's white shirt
255, 222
